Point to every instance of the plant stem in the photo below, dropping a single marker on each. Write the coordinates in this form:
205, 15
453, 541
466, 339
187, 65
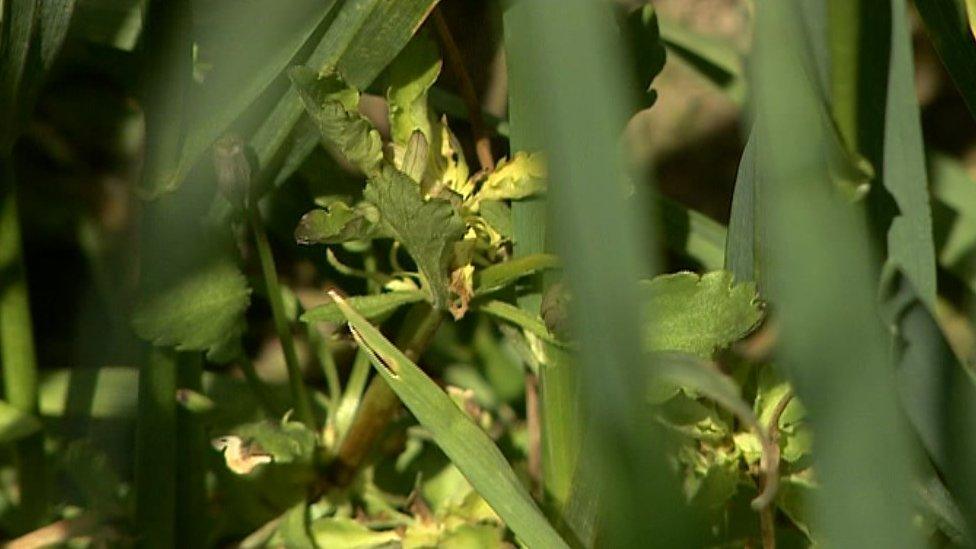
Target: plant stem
17, 354
191, 524
380, 404
303, 407
482, 140
155, 469
558, 394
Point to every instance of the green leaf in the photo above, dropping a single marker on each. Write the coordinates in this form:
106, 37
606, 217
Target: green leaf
500, 275
240, 70
338, 224
200, 311
427, 229
644, 39
370, 306
286, 441
465, 444
521, 177
411, 75
333, 107
716, 60
519, 317
910, 246
346, 533
691, 372
830, 343
698, 314
293, 532
359, 43
953, 40
15, 424
693, 234
15, 42
498, 215
954, 217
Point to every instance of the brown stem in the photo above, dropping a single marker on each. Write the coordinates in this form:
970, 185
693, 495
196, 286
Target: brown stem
380, 404
770, 469
55, 533
482, 142
535, 436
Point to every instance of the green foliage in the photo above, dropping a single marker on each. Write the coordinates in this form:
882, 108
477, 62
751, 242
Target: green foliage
370, 306
16, 424
698, 314
427, 229
468, 447
201, 312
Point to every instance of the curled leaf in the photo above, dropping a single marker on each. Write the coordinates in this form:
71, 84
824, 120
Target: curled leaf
333, 106
521, 177
241, 457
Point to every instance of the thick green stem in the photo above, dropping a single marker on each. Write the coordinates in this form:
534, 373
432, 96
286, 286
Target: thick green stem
557, 382
17, 355
155, 471
380, 404
303, 407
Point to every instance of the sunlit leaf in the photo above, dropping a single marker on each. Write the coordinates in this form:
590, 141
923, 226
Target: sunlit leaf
370, 306
464, 443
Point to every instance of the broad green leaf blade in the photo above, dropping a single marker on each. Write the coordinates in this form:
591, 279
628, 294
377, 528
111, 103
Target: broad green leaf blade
16, 424
500, 275
411, 76
199, 312
947, 28
427, 229
380, 37
244, 59
713, 59
370, 306
15, 41
464, 443
51, 28
571, 73
823, 286
910, 246
698, 315
938, 393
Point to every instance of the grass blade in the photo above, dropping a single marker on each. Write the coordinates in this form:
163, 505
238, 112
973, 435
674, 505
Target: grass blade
600, 234
946, 25
467, 446
832, 343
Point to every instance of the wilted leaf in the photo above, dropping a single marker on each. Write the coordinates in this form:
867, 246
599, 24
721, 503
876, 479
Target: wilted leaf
370, 306
339, 223
199, 312
427, 229
346, 533
333, 106
521, 177
241, 456
698, 315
